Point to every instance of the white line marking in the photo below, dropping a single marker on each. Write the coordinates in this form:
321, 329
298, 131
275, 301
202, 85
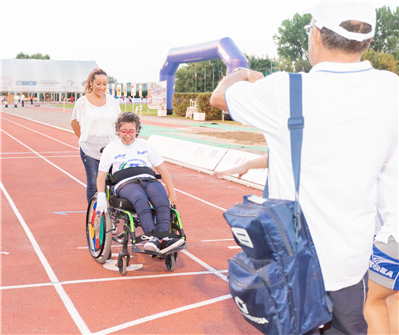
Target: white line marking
75, 156
192, 196
45, 124
234, 247
163, 314
4, 252
41, 134
44, 158
99, 280
221, 240
206, 266
73, 312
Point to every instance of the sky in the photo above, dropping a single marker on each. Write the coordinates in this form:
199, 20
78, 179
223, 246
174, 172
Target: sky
130, 40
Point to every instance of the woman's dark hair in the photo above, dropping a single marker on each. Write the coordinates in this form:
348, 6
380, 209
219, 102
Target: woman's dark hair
127, 118
90, 78
332, 40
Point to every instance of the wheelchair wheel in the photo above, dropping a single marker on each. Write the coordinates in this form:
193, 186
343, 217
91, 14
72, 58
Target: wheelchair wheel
170, 262
122, 269
99, 236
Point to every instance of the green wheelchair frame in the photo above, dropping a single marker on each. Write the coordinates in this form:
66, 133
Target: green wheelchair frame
99, 231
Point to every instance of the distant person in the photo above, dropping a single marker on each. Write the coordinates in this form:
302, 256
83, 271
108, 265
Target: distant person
22, 100
6, 101
344, 101
16, 100
72, 99
31, 99
93, 121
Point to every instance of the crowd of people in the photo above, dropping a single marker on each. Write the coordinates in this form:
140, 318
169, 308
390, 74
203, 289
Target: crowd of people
349, 165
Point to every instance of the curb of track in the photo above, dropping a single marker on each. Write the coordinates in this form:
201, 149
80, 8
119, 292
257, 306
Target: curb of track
171, 161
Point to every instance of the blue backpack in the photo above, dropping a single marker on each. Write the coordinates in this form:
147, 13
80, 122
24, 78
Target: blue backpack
276, 281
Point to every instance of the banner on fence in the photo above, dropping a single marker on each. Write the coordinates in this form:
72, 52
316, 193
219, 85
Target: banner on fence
133, 92
156, 98
118, 90
125, 90
113, 89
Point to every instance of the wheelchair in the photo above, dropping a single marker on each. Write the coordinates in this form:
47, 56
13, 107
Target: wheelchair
99, 229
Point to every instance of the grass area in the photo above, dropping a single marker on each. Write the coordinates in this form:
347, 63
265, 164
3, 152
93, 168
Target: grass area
153, 112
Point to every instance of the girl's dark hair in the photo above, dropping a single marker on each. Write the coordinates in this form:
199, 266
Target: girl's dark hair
90, 78
127, 118
332, 40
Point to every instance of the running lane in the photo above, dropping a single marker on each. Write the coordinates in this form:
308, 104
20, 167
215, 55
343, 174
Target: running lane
49, 279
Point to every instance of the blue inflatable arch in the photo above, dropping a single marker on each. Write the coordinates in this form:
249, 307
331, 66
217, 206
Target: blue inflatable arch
225, 49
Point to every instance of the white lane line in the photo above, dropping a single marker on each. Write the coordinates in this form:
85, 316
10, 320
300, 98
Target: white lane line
234, 247
4, 252
206, 266
204, 201
99, 280
44, 158
221, 240
73, 312
161, 315
45, 124
74, 156
41, 133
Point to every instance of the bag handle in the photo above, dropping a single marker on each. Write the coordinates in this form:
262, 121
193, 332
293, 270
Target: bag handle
295, 125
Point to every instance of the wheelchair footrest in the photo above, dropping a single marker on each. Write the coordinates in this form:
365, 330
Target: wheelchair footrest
160, 255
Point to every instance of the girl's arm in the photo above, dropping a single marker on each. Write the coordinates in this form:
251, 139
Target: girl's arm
76, 127
257, 163
161, 168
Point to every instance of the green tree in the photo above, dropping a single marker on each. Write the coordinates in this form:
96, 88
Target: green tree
302, 65
386, 38
291, 39
112, 80
22, 55
260, 64
185, 76
382, 60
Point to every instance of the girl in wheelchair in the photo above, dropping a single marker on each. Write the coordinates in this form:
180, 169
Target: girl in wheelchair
130, 151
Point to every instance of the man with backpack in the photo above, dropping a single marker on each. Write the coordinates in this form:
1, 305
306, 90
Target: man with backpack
349, 151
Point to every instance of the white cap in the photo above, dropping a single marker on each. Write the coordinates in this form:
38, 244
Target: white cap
330, 14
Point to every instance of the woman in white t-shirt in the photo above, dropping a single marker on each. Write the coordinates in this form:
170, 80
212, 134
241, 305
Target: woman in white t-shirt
129, 151
93, 120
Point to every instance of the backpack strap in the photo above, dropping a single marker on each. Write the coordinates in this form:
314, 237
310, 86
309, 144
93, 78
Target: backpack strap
295, 125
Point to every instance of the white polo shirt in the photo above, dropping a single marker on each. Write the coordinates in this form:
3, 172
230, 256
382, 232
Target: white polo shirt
349, 155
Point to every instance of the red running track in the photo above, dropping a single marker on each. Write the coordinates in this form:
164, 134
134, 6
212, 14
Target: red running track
49, 282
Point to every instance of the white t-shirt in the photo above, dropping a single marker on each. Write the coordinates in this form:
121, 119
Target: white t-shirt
349, 154
97, 124
23, 97
139, 154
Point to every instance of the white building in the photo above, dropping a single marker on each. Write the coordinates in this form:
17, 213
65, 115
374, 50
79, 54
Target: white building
46, 80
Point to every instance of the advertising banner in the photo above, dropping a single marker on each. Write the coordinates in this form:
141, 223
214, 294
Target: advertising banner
113, 89
118, 90
133, 92
140, 90
125, 90
156, 98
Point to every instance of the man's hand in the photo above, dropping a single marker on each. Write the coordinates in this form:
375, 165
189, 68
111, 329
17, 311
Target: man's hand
217, 98
102, 205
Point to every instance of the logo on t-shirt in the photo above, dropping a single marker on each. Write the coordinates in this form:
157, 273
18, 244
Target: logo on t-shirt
135, 162
142, 152
120, 156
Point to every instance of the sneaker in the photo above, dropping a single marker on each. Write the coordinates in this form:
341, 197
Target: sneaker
152, 244
168, 243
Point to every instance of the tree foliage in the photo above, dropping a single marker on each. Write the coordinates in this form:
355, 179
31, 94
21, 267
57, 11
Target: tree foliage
185, 76
386, 38
291, 39
22, 55
382, 60
112, 80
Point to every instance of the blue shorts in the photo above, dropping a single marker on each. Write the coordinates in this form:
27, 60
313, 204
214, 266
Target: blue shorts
384, 264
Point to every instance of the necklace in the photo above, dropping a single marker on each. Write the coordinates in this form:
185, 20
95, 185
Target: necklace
100, 100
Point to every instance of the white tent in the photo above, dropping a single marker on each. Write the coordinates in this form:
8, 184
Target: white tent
43, 77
